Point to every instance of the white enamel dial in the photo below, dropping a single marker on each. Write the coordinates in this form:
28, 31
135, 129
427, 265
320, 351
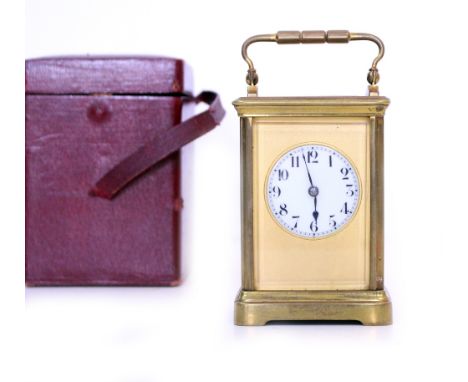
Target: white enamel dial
313, 191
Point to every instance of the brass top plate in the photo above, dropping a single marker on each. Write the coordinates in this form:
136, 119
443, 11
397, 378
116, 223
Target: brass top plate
311, 106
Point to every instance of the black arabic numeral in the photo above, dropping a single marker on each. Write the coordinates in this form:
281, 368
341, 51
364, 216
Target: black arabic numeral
330, 161
312, 156
332, 221
295, 161
297, 220
349, 192
313, 226
345, 209
344, 171
283, 174
283, 209
276, 191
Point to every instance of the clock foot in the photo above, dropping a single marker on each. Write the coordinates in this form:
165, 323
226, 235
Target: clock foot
259, 307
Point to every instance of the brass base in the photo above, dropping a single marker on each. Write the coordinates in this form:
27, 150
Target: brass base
260, 307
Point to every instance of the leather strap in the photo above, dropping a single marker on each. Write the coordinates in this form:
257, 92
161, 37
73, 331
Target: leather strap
160, 147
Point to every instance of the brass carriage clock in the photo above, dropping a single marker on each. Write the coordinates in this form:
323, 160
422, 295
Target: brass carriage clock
312, 200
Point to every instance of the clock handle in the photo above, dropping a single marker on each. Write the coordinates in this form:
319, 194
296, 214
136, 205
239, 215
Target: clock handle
312, 37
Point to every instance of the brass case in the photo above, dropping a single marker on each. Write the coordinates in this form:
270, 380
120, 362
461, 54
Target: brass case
371, 305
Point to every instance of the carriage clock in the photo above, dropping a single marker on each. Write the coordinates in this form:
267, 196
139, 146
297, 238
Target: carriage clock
312, 200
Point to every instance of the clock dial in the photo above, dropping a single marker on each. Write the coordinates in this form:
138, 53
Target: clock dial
313, 191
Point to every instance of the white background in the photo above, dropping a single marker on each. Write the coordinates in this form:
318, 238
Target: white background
187, 333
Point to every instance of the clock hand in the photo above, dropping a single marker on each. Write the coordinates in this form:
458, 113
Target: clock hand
315, 214
313, 190
308, 173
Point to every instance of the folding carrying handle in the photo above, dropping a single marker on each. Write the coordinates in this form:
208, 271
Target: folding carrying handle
312, 37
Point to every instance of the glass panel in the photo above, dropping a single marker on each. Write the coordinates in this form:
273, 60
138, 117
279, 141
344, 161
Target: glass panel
290, 257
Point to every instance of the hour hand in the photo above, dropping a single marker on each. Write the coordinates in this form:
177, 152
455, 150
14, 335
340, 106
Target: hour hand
315, 214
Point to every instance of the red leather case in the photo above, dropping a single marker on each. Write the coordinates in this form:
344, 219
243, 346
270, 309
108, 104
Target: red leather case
83, 115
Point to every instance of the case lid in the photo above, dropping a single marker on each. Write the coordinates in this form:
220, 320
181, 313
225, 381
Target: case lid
132, 75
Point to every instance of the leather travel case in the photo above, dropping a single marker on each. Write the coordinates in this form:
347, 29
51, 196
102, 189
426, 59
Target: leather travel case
103, 201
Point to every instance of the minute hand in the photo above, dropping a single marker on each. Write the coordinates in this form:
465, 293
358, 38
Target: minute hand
313, 191
308, 173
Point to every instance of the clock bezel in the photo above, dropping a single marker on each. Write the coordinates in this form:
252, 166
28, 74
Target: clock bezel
312, 143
